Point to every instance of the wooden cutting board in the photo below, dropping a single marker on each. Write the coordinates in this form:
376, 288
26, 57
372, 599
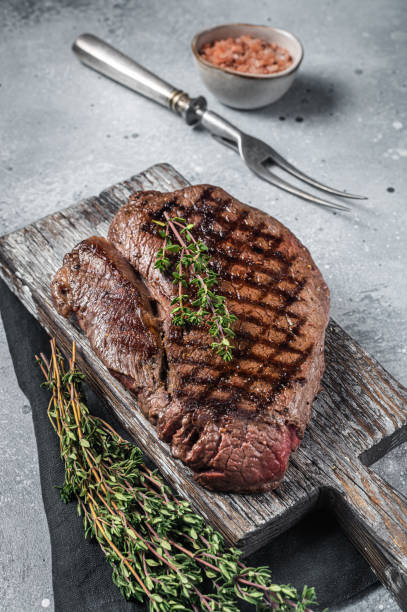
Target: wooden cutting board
360, 414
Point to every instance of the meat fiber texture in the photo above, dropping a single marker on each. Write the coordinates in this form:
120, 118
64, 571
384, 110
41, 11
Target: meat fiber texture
112, 307
234, 423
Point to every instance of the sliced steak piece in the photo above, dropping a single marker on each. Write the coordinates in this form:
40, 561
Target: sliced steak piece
113, 308
234, 423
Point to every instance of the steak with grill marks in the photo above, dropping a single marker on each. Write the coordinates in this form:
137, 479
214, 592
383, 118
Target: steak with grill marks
113, 308
234, 423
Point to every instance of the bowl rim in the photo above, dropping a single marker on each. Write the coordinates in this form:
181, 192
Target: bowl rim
245, 75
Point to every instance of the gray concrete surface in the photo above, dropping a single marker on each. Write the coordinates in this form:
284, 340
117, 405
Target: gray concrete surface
67, 133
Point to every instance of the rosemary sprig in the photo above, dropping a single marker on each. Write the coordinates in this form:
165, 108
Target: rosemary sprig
158, 548
197, 302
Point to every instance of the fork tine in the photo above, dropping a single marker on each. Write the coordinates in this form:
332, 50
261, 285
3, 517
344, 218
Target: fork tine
268, 176
283, 163
272, 178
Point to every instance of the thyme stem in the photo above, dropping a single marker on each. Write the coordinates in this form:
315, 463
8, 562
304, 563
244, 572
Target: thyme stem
158, 548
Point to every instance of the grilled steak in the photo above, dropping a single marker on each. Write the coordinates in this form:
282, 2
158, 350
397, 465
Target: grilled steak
113, 308
235, 424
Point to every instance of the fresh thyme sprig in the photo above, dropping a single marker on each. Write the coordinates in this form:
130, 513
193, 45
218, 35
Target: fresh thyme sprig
158, 548
197, 302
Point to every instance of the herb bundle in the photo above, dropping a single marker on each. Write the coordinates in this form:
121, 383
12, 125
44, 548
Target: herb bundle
201, 305
158, 548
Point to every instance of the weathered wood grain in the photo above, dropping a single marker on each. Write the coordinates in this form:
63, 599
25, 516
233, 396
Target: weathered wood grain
359, 415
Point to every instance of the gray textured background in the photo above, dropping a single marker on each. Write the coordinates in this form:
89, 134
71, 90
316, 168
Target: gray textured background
67, 133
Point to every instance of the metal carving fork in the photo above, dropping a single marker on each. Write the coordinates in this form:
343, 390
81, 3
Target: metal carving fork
257, 155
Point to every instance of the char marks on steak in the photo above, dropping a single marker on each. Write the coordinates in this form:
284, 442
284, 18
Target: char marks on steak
234, 423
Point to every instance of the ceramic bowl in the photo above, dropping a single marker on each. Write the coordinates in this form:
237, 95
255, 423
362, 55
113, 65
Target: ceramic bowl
247, 91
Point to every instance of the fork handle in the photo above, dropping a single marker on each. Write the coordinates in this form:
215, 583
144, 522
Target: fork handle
99, 55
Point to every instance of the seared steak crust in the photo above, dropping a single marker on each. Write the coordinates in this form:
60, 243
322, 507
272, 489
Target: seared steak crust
234, 423
112, 307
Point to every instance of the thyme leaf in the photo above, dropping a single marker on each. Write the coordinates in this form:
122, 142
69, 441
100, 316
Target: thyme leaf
160, 551
197, 302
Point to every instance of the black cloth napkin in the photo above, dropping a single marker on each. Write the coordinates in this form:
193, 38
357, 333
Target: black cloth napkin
314, 552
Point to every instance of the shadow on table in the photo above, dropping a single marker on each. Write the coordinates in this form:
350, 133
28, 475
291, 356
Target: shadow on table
310, 95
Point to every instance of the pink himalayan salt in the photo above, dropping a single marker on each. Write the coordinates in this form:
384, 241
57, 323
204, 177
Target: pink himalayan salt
247, 54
